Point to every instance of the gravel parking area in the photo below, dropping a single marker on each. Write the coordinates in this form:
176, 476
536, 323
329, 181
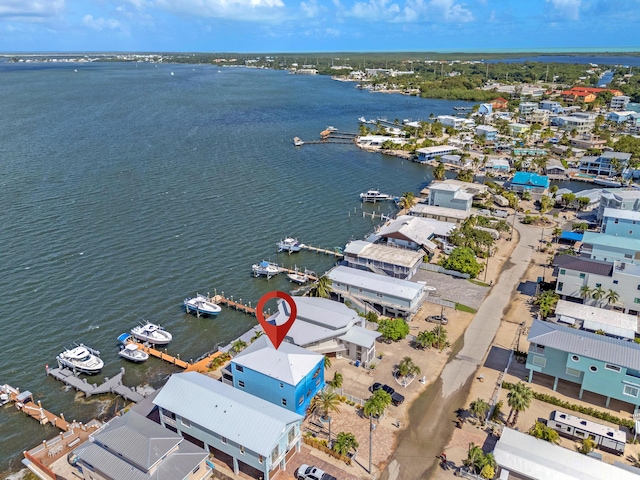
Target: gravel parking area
453, 288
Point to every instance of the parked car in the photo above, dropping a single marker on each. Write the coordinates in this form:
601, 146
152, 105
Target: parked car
306, 472
500, 213
441, 319
396, 398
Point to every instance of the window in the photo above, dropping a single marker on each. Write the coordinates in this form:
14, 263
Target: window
562, 271
575, 358
301, 401
239, 368
636, 300
598, 285
631, 391
615, 221
240, 383
223, 440
379, 295
281, 385
613, 368
573, 372
582, 275
539, 361
360, 290
633, 373
560, 285
593, 368
185, 422
284, 402
317, 382
195, 469
628, 255
630, 232
615, 282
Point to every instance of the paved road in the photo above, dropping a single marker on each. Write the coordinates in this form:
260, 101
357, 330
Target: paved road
429, 423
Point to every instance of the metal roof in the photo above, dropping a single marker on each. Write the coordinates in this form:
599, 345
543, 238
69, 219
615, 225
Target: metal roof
615, 323
602, 239
217, 407
537, 459
573, 236
384, 253
415, 229
289, 363
587, 265
424, 209
622, 214
360, 336
599, 347
528, 178
389, 286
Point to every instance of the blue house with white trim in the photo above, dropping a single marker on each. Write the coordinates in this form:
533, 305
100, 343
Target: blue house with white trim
288, 377
600, 364
531, 182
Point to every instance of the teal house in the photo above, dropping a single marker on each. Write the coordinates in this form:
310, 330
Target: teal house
599, 364
289, 376
531, 182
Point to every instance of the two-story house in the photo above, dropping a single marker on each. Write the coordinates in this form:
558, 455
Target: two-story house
529, 182
619, 199
552, 106
487, 132
393, 261
288, 377
609, 248
256, 437
621, 223
597, 363
446, 195
608, 163
427, 154
414, 233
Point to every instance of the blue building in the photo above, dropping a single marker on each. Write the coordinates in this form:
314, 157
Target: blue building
597, 363
487, 131
288, 377
610, 248
621, 223
531, 182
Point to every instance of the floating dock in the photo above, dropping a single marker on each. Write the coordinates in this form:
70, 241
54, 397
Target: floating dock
109, 385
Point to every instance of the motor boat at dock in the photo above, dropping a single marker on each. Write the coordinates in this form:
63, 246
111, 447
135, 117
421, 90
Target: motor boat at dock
267, 269
300, 277
375, 196
201, 305
289, 245
81, 358
151, 333
131, 350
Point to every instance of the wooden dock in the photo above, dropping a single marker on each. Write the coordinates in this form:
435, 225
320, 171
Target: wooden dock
236, 305
336, 252
109, 385
25, 403
164, 356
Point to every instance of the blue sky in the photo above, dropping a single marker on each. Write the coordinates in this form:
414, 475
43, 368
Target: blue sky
316, 25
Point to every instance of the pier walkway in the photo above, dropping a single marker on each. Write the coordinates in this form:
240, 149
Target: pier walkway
25, 403
336, 252
110, 385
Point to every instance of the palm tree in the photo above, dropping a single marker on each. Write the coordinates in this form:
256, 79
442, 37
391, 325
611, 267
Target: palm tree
407, 367
612, 296
258, 334
327, 362
377, 404
518, 399
598, 294
345, 442
479, 408
441, 337
323, 404
556, 233
541, 431
238, 345
425, 339
585, 292
407, 200
439, 171
322, 288
337, 380
475, 458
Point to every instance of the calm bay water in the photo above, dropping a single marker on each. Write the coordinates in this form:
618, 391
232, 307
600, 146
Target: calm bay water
124, 189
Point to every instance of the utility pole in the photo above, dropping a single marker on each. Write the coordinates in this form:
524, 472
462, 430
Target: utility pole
372, 427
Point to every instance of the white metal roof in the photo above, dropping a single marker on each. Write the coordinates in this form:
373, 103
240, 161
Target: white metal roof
384, 253
360, 336
289, 363
594, 318
373, 282
589, 425
621, 214
227, 411
416, 229
424, 209
541, 460
437, 149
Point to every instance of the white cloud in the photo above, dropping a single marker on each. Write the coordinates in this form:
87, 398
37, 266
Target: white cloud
451, 11
566, 9
101, 23
31, 8
411, 11
264, 11
310, 9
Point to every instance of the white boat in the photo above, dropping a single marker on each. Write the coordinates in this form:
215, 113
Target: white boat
81, 359
331, 129
607, 182
130, 349
297, 142
267, 269
151, 333
375, 196
300, 277
289, 245
201, 305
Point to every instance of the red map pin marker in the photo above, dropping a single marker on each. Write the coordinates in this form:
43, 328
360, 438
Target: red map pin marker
276, 333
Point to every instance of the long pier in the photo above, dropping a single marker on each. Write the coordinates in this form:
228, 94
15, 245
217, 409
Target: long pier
109, 385
336, 252
329, 136
25, 403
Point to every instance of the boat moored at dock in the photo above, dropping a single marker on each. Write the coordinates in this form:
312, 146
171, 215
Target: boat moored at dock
201, 305
130, 349
375, 196
81, 359
289, 245
300, 277
151, 333
266, 269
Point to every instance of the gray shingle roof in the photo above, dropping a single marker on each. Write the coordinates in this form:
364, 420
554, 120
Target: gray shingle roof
585, 265
606, 349
227, 411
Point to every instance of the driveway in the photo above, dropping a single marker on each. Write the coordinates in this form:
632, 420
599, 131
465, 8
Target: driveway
452, 288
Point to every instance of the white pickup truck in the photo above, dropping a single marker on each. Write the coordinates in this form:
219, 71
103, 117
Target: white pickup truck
305, 472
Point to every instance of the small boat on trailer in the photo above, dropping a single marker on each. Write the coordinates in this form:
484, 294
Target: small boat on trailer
130, 349
151, 333
201, 305
81, 358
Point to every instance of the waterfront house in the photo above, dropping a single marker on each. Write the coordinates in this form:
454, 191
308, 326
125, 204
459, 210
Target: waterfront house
439, 213
447, 195
575, 123
597, 363
289, 376
621, 223
393, 261
134, 447
552, 106
248, 433
538, 116
388, 296
452, 160
427, 154
619, 102
556, 168
620, 199
414, 233
622, 277
376, 141
609, 248
528, 181
487, 132
607, 163
455, 122
526, 108
520, 456
485, 109
587, 141
594, 319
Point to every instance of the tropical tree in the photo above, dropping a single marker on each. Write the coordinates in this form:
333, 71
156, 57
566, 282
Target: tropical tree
585, 292
238, 345
425, 339
546, 204
327, 362
518, 399
345, 442
465, 175
553, 189
407, 367
439, 171
393, 330
556, 233
377, 404
587, 446
612, 296
568, 198
546, 302
441, 337
497, 411
598, 294
407, 200
479, 409
257, 335
541, 431
583, 202
325, 402
463, 260
322, 288
337, 380
479, 462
